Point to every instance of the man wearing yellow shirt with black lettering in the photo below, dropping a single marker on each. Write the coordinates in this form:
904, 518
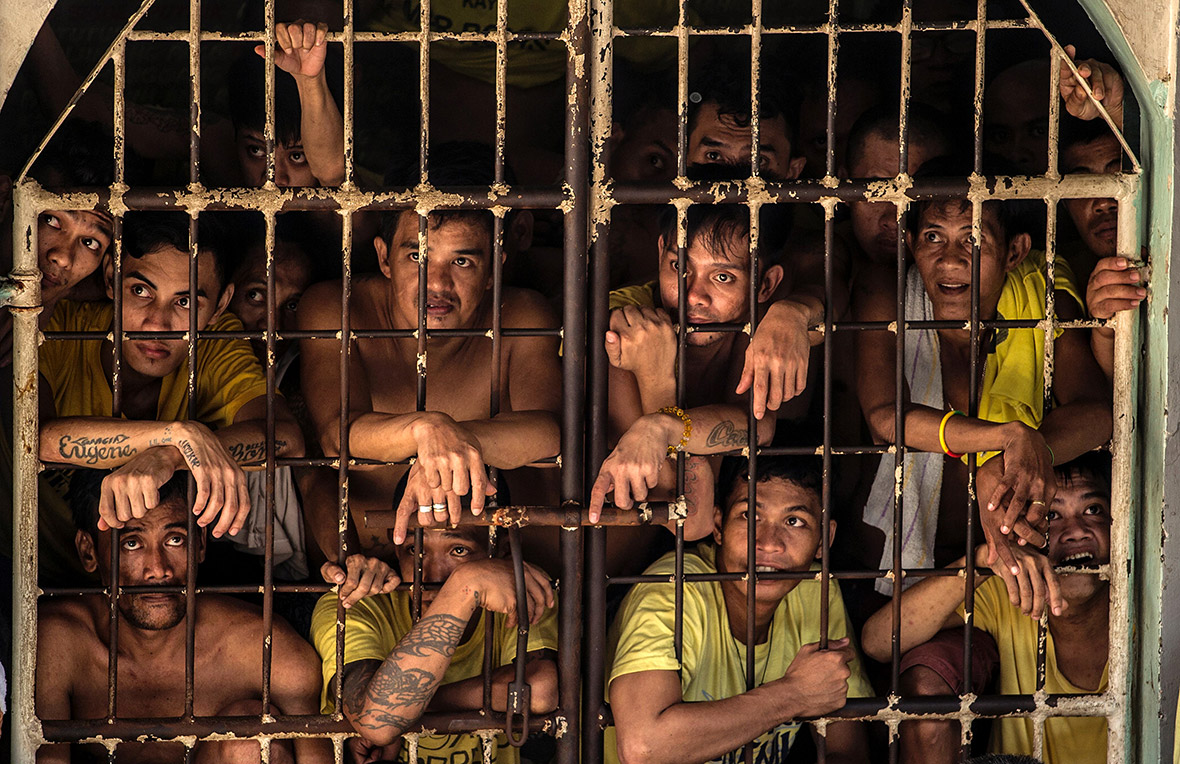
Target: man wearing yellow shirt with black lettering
1077, 639
697, 709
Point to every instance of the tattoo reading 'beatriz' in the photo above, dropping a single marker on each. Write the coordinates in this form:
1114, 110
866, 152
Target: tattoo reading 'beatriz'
395, 694
93, 450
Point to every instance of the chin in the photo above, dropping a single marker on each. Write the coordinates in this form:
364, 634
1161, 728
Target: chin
154, 617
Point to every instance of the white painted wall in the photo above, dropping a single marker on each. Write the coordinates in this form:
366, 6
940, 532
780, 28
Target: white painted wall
19, 22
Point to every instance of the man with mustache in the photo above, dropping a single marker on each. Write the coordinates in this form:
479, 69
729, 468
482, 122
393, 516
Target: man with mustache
456, 437
1078, 610
74, 635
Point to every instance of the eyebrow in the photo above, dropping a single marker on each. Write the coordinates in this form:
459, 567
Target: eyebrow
146, 280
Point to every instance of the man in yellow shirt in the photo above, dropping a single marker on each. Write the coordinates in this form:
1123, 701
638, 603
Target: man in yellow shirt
1077, 639
697, 708
154, 437
395, 669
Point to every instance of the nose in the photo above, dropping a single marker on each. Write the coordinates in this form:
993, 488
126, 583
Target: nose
154, 318
282, 171
697, 293
438, 278
156, 566
1105, 206
58, 253
435, 568
770, 537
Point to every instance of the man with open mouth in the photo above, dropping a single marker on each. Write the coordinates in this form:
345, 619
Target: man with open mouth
1078, 605
692, 705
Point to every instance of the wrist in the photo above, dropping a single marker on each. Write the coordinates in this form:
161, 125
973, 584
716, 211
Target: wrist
459, 595
669, 428
795, 311
426, 422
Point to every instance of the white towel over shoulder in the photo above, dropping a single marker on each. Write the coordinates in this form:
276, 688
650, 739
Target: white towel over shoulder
921, 477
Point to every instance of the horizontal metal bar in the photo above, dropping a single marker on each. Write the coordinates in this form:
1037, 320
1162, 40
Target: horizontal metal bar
820, 29
1102, 571
326, 334
171, 728
519, 516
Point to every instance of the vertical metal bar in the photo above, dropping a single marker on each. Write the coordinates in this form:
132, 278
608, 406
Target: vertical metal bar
269, 465
576, 228
194, 74
342, 489
681, 89
681, 374
600, 113
190, 587
26, 731
349, 91
423, 88
422, 332
268, 127
899, 381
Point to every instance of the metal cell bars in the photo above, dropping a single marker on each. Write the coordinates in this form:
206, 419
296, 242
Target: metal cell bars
195, 198
901, 191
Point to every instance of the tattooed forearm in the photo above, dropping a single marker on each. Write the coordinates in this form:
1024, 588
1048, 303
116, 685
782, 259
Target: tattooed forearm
253, 453
727, 435
388, 700
93, 450
356, 684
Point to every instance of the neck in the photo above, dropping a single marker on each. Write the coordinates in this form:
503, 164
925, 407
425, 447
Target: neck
699, 360
132, 380
736, 610
1087, 619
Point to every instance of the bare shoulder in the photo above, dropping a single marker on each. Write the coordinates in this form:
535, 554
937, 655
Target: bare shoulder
228, 620
320, 305
66, 622
524, 308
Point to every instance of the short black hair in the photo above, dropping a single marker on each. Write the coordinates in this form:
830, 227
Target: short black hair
86, 487
925, 126
1074, 131
1003, 758
724, 80
246, 85
453, 163
146, 232
804, 471
1094, 465
79, 154
1015, 216
719, 225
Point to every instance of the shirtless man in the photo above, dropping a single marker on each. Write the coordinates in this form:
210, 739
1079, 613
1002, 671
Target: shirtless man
456, 436
74, 637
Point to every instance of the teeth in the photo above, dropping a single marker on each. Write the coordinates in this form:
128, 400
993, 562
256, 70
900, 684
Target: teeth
765, 569
1079, 556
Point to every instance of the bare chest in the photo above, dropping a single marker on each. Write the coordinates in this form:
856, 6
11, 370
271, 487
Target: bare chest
458, 382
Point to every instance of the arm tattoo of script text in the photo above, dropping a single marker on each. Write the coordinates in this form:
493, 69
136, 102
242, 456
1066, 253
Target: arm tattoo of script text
93, 450
725, 434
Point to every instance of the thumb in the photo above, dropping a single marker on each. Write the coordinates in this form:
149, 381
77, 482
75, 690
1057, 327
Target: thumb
260, 50
332, 573
614, 351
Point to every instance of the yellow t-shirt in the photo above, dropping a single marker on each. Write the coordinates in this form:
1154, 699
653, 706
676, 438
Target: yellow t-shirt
375, 625
643, 295
714, 662
1068, 740
228, 374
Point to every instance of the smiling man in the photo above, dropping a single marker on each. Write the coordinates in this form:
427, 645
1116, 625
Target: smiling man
154, 437
693, 706
1076, 648
74, 636
457, 435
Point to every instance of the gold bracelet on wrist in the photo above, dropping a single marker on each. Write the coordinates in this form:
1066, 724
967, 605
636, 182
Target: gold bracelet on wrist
683, 416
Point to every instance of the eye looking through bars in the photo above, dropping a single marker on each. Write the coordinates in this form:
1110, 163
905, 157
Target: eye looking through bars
740, 192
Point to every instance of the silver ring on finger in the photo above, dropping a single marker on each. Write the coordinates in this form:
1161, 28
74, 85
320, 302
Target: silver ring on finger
423, 509
439, 507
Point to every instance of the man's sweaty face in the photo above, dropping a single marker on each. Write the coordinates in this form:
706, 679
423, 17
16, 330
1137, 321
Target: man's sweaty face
292, 276
1095, 219
787, 531
153, 551
442, 552
874, 224
1079, 532
941, 249
156, 298
717, 285
70, 246
458, 269
719, 139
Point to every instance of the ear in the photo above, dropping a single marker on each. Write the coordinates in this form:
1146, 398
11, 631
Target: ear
382, 256
108, 274
794, 167
521, 233
771, 278
819, 552
84, 543
718, 522
909, 241
227, 294
1018, 248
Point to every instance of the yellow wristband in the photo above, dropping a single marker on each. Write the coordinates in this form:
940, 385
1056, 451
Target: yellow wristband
942, 433
683, 416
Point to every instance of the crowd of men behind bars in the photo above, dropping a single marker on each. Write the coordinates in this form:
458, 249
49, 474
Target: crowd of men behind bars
677, 668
